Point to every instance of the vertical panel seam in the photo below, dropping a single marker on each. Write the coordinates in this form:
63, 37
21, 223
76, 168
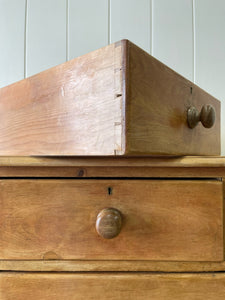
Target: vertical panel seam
193, 42
151, 27
67, 30
109, 22
25, 39
151, 16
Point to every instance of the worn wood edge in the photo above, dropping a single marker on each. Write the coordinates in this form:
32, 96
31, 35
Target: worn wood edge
123, 93
126, 95
82, 161
119, 147
107, 266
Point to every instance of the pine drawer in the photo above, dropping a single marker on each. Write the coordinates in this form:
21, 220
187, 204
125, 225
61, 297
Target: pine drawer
115, 101
167, 220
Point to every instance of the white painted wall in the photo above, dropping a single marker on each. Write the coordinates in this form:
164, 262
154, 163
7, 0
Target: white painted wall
187, 35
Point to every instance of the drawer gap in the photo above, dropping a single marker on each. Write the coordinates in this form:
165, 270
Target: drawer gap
115, 178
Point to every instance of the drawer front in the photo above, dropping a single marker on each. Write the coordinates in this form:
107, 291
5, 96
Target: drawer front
160, 105
160, 219
124, 286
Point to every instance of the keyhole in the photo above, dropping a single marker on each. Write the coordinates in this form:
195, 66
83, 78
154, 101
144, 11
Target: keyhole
109, 190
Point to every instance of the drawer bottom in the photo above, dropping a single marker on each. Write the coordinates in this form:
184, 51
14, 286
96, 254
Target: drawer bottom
138, 286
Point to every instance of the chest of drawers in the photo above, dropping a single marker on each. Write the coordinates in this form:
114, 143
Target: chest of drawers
112, 228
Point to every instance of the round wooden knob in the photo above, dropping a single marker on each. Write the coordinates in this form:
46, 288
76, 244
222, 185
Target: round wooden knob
207, 116
108, 223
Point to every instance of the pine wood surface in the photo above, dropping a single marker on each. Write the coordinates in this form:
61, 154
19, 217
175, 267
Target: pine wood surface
92, 166
108, 265
126, 286
100, 167
112, 172
82, 161
178, 220
156, 110
70, 109
117, 100
53, 264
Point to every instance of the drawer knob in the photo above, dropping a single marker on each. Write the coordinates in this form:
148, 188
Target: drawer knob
207, 116
108, 223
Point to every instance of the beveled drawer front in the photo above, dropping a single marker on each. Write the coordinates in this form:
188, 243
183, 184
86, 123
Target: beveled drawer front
144, 219
124, 286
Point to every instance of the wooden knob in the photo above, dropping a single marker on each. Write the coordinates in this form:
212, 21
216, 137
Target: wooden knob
207, 116
108, 223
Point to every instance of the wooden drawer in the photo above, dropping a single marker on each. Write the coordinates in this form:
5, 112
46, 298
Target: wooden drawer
161, 219
124, 286
117, 100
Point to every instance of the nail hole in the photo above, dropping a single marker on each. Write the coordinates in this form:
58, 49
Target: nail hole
191, 90
80, 173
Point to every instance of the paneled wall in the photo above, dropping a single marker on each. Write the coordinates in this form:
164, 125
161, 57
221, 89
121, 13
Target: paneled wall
187, 35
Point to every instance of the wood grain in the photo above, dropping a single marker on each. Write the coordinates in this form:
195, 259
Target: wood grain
124, 286
97, 167
112, 172
158, 162
115, 101
71, 109
54, 264
156, 110
162, 219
